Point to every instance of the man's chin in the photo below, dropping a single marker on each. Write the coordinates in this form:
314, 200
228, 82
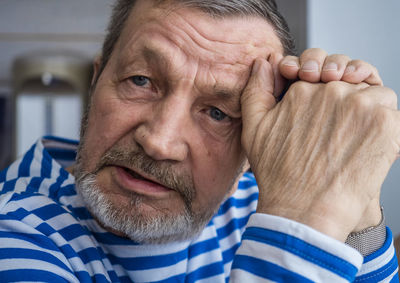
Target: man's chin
137, 219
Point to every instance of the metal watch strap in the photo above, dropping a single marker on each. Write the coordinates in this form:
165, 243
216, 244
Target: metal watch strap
370, 239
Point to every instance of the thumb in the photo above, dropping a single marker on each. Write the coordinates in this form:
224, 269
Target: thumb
258, 96
279, 81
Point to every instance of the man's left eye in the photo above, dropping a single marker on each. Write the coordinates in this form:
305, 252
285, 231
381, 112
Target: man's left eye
217, 114
140, 80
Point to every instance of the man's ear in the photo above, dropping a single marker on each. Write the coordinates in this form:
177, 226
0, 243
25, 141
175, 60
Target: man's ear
96, 68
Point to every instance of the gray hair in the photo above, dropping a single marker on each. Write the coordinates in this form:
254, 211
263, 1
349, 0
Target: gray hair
267, 9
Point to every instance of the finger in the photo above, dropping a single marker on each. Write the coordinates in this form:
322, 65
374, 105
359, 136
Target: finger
279, 81
359, 71
257, 98
289, 67
311, 62
333, 67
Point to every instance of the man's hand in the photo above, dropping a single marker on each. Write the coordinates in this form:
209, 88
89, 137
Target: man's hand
315, 65
321, 154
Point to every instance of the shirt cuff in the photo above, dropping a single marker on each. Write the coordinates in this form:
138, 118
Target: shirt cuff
293, 248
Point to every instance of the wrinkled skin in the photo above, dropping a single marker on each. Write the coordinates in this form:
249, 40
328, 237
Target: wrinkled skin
321, 155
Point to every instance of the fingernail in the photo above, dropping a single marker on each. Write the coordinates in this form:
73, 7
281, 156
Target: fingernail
330, 67
310, 66
290, 63
350, 69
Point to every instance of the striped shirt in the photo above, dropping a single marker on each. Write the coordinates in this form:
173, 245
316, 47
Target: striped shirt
47, 235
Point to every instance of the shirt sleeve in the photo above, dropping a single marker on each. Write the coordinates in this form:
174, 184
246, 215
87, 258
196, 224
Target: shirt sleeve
281, 250
380, 266
26, 254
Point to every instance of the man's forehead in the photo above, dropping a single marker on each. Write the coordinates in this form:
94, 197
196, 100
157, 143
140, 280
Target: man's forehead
250, 31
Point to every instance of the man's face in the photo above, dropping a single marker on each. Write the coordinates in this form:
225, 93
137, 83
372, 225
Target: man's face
162, 146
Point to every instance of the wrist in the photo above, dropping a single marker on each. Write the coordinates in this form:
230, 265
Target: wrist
372, 217
317, 220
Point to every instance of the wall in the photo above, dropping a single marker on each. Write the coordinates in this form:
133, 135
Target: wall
27, 25
295, 13
367, 30
36, 24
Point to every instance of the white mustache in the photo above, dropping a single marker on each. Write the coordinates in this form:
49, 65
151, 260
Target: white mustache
163, 172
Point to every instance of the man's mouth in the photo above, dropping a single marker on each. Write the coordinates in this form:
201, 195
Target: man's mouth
136, 175
139, 183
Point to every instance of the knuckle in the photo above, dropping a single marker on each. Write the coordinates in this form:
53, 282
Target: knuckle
314, 50
382, 117
313, 53
391, 95
363, 64
335, 89
359, 102
301, 90
290, 57
299, 87
334, 85
338, 58
357, 62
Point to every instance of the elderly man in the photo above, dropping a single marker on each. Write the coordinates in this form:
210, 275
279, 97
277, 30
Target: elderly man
185, 97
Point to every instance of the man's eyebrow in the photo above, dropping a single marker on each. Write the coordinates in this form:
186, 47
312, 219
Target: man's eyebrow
231, 96
154, 55
145, 54
226, 93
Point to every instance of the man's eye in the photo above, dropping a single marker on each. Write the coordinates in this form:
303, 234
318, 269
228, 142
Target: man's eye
140, 80
217, 114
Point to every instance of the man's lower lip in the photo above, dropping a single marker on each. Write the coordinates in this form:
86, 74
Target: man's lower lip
139, 186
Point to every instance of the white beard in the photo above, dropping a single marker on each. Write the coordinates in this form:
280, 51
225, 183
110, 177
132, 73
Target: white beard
128, 219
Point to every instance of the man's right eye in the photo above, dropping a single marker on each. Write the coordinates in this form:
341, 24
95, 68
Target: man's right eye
140, 80
217, 114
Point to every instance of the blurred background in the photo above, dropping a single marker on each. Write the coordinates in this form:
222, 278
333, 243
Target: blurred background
46, 49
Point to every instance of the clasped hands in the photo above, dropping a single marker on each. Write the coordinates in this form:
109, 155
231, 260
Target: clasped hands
320, 154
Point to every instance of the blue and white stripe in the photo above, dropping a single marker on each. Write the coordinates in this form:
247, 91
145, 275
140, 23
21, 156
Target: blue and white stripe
308, 254
46, 234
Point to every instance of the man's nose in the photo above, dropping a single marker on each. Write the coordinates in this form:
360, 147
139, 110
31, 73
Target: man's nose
163, 133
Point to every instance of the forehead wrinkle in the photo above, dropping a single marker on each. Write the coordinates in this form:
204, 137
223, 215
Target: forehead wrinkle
184, 35
212, 49
235, 55
237, 64
243, 45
